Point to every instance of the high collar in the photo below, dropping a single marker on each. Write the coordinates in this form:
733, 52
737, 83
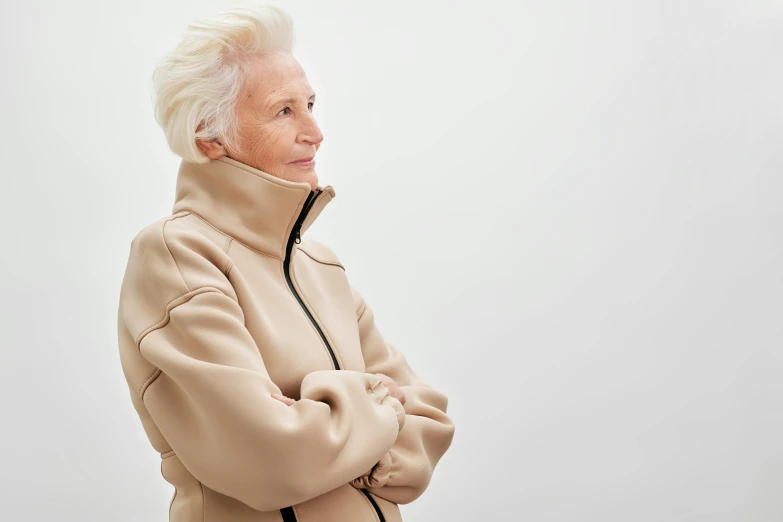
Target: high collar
253, 207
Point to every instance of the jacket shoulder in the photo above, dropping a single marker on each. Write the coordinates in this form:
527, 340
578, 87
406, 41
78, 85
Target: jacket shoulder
319, 252
169, 259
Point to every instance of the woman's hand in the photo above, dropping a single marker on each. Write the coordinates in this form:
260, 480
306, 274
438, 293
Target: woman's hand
394, 390
377, 476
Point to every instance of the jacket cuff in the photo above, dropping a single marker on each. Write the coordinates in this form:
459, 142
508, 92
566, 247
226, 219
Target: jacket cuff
381, 393
379, 476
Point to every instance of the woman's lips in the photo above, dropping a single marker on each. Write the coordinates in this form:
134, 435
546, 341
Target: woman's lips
305, 162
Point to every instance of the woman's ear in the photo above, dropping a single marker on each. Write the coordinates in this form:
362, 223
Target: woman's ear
213, 149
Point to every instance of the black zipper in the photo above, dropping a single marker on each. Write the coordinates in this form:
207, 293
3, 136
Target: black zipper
374, 505
295, 237
288, 514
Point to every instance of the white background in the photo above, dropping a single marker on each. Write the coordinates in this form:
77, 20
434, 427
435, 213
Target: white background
567, 214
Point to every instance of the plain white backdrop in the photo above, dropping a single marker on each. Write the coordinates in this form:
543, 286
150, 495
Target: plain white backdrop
566, 214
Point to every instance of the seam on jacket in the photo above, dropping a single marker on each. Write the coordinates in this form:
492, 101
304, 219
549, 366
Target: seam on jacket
229, 239
311, 256
296, 515
233, 239
171, 504
167, 454
163, 322
320, 324
183, 298
281, 267
227, 271
174, 497
203, 501
163, 235
361, 310
149, 381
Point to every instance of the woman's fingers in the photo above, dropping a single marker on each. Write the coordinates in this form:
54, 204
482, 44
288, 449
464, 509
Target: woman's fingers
285, 400
394, 390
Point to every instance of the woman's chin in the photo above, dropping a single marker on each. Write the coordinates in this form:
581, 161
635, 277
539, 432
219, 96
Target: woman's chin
310, 177
314, 182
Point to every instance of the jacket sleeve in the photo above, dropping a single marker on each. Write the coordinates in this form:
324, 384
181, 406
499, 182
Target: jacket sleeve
210, 397
404, 472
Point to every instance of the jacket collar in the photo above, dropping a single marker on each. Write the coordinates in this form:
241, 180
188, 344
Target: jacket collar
253, 207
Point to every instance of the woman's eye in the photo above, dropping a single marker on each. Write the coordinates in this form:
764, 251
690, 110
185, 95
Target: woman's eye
285, 111
310, 106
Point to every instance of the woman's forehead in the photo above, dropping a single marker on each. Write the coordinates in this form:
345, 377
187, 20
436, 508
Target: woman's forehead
278, 76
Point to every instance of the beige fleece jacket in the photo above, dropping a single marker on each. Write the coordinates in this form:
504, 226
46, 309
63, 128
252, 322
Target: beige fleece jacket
224, 303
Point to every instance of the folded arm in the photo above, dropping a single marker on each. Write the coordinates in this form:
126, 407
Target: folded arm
211, 395
404, 473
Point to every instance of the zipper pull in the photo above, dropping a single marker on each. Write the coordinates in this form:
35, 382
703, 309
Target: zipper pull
298, 238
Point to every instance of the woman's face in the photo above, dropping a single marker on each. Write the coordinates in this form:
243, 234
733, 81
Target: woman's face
277, 133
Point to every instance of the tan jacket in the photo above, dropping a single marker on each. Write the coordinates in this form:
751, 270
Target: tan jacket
222, 306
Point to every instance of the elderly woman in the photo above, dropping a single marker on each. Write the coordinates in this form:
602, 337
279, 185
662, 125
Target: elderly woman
256, 368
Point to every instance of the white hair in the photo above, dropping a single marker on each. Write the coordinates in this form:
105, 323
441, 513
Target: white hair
196, 86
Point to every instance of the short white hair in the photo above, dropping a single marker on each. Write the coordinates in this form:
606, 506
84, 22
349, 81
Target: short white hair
198, 83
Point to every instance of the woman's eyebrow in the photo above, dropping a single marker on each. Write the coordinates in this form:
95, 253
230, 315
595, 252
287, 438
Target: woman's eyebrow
291, 100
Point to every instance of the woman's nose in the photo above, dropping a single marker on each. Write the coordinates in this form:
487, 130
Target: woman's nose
310, 132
